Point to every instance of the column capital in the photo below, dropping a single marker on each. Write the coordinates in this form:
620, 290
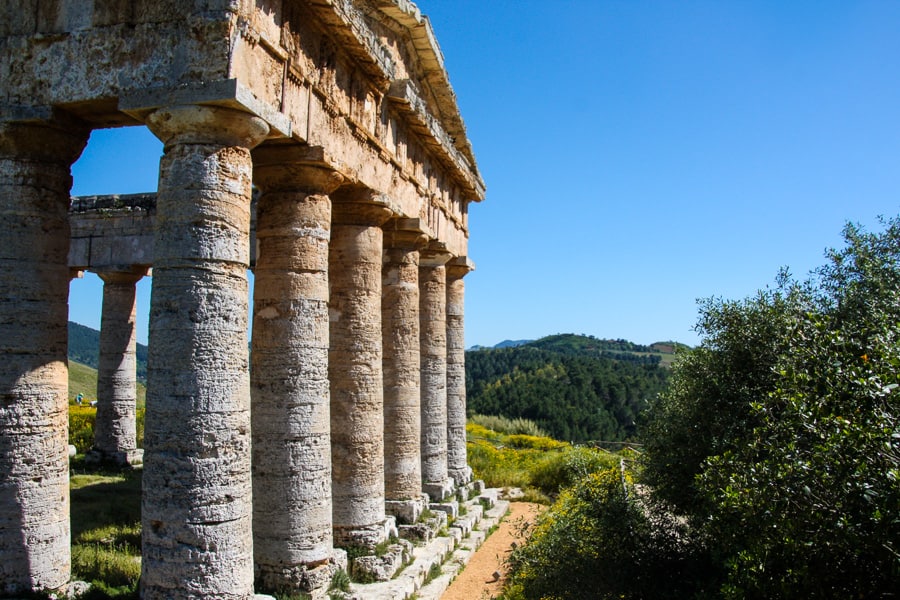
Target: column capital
459, 266
294, 167
124, 275
363, 207
48, 141
411, 234
199, 124
435, 254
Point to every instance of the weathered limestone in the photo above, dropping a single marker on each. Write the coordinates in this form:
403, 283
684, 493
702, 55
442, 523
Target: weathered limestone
115, 437
292, 525
196, 511
112, 233
355, 372
362, 80
402, 363
457, 463
433, 336
35, 180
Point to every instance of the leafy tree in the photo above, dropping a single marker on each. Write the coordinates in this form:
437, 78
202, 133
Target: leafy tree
813, 499
779, 437
704, 411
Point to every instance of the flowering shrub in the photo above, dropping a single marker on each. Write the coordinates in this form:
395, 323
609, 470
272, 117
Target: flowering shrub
535, 442
559, 470
81, 427
541, 464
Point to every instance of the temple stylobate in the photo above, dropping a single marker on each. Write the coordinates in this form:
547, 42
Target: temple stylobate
347, 418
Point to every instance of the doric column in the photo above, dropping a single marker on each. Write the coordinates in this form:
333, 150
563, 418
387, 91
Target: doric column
196, 513
355, 371
403, 238
433, 336
292, 527
115, 437
457, 464
35, 181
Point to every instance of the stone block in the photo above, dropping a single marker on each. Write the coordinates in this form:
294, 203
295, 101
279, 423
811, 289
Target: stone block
450, 508
420, 532
386, 566
466, 523
406, 511
489, 498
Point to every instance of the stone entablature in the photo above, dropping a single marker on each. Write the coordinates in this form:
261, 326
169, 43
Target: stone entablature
363, 80
110, 232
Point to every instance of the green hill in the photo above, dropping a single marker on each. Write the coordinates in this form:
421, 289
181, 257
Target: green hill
84, 347
577, 388
83, 380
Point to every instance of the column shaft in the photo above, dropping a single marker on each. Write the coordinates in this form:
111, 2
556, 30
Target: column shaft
402, 364
115, 430
433, 324
34, 288
457, 463
196, 512
355, 371
292, 526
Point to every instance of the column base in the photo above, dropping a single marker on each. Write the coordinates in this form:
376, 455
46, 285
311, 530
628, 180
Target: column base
124, 458
310, 579
438, 491
368, 536
407, 512
461, 477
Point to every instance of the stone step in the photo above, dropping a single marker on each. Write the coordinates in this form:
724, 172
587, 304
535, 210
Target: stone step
439, 560
460, 558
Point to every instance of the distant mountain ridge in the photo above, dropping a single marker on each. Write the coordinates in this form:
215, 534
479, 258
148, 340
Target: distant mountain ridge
512, 343
84, 347
578, 343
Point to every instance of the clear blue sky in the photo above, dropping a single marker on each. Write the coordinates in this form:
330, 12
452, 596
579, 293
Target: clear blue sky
639, 155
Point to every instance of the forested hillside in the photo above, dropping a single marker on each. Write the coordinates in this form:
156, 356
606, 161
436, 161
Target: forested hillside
577, 388
84, 347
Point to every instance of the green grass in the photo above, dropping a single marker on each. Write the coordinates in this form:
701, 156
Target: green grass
434, 572
106, 531
83, 380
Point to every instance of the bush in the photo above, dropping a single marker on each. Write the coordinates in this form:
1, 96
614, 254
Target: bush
778, 436
598, 541
139, 425
559, 470
509, 426
81, 427
533, 442
499, 467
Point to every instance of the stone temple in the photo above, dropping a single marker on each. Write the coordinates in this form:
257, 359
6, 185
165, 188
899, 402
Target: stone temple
317, 142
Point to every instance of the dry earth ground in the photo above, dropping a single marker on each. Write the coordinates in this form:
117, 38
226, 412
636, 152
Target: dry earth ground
477, 581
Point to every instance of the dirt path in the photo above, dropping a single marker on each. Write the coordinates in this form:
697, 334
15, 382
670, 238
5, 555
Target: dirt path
477, 581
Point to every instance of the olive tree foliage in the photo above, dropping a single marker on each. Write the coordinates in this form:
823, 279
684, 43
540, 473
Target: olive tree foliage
704, 411
779, 437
